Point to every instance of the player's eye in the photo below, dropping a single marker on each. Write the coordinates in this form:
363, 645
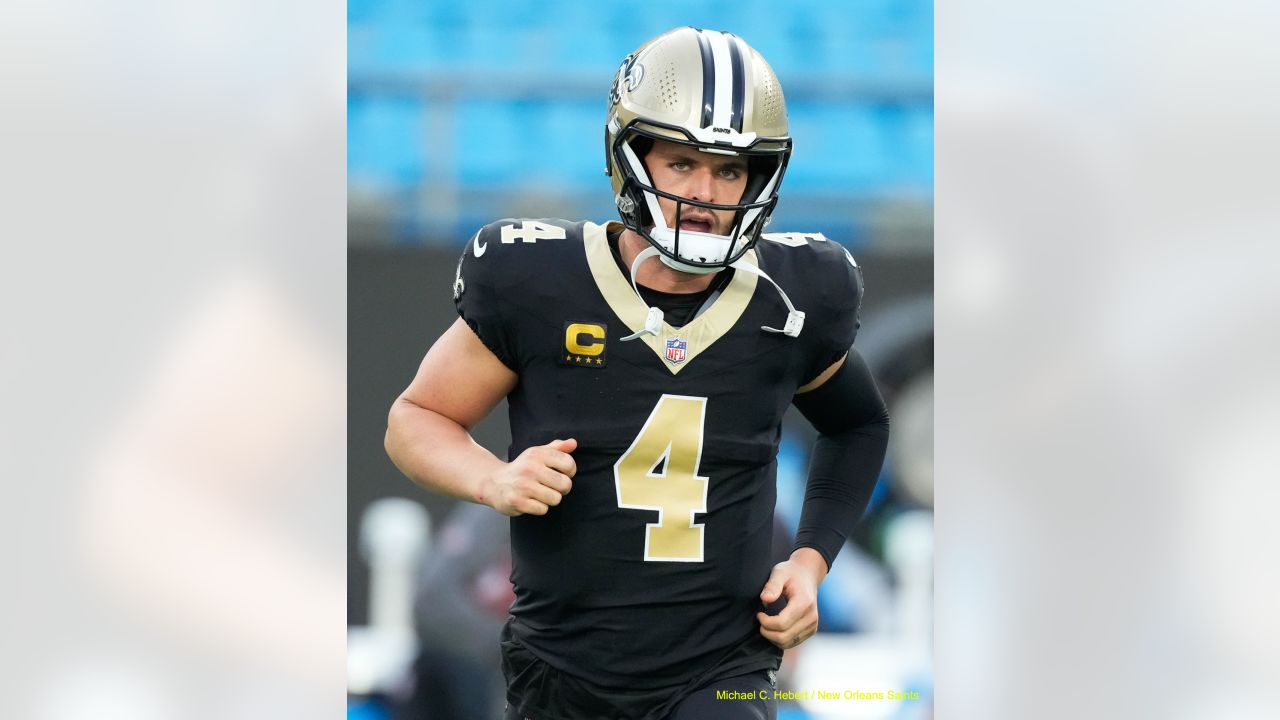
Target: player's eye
731, 173
679, 165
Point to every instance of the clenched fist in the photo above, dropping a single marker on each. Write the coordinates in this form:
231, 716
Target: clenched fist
535, 481
795, 582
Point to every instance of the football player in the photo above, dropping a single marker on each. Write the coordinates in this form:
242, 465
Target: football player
648, 365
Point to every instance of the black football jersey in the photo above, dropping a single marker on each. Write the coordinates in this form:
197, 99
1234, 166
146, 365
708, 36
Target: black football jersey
650, 569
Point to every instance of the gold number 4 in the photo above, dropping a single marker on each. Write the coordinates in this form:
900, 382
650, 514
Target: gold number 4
672, 437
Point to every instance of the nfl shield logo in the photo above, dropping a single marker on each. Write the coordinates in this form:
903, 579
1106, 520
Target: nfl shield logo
676, 350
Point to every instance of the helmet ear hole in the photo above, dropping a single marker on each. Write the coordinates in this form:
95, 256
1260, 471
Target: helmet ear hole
640, 146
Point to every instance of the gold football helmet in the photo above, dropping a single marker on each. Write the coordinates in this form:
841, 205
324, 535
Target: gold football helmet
712, 91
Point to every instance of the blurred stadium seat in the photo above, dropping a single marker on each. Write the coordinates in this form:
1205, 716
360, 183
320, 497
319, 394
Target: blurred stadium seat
516, 90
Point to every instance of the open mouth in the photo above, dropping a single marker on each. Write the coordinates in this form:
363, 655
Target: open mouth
702, 226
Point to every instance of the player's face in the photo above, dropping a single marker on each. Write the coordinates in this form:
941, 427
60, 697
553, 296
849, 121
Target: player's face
707, 177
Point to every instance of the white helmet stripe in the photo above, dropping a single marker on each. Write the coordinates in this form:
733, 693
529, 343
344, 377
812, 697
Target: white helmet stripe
723, 108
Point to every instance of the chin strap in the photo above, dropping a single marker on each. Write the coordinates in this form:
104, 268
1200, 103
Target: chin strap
653, 321
795, 318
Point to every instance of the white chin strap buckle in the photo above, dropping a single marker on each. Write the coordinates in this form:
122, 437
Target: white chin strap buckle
652, 321
652, 325
795, 322
795, 318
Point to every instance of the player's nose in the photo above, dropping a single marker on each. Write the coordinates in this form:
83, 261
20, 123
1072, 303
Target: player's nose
702, 185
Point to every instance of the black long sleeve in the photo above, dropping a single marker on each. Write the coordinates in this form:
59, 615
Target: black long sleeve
853, 425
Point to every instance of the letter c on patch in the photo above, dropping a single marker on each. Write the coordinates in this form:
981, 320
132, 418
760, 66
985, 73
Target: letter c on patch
584, 339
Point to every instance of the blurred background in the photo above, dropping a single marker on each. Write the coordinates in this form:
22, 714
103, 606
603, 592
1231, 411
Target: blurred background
461, 114
175, 351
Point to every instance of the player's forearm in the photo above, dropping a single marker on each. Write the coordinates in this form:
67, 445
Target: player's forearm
853, 426
843, 471
438, 453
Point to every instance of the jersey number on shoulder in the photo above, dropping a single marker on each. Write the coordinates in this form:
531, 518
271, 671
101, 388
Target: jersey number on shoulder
671, 438
531, 231
799, 239
793, 239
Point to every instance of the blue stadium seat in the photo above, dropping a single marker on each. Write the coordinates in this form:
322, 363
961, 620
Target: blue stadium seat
364, 10
574, 141
394, 48
385, 143
488, 141
849, 144
839, 147
918, 132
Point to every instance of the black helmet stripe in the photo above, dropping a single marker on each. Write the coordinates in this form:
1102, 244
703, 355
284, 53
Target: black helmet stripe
739, 81
708, 79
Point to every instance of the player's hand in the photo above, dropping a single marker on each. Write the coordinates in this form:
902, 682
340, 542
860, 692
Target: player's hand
797, 581
535, 481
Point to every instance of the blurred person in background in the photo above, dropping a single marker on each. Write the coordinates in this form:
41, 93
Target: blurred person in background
462, 601
646, 400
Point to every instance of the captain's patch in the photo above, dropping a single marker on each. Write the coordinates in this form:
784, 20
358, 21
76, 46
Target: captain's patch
584, 344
